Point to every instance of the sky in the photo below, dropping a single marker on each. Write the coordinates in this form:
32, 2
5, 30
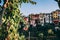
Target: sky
42, 6
1, 2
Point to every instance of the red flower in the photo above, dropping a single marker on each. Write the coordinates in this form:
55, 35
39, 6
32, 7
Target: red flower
25, 28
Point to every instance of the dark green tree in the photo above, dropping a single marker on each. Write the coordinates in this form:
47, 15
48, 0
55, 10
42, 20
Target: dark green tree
58, 1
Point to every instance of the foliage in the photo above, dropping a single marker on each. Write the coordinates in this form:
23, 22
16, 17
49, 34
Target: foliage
11, 19
58, 1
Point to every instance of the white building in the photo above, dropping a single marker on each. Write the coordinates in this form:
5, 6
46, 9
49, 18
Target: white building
48, 17
41, 18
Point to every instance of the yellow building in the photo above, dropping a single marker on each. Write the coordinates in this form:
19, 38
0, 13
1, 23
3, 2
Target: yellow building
55, 15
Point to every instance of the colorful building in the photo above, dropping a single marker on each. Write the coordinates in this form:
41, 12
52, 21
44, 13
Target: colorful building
43, 18
56, 17
33, 18
38, 18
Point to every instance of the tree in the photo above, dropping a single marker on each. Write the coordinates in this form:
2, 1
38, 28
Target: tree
0, 1
11, 18
58, 1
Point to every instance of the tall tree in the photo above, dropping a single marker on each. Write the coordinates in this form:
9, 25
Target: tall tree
11, 19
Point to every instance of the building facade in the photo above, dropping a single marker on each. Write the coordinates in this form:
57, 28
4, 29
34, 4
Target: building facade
33, 18
41, 18
56, 17
45, 18
48, 18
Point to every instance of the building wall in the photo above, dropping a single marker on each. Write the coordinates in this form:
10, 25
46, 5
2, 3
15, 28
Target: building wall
56, 17
41, 18
48, 17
